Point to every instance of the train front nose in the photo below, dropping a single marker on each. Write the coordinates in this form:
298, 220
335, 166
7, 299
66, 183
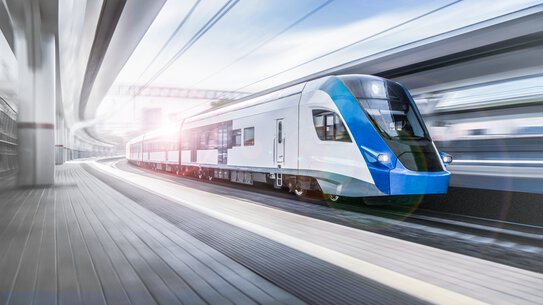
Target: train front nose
404, 181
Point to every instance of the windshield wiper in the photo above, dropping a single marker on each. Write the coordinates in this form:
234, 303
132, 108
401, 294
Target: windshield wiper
409, 138
383, 132
376, 125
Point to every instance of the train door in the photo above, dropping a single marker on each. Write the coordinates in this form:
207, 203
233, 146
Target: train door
166, 148
279, 142
194, 145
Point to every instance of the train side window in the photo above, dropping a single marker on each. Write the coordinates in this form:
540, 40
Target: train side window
318, 121
280, 132
212, 138
185, 141
236, 137
249, 136
204, 136
329, 118
340, 132
329, 126
207, 137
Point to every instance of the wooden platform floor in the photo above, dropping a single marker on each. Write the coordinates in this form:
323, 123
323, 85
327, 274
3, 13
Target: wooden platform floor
81, 242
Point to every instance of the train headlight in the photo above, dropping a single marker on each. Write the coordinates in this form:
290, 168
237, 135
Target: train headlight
447, 159
383, 158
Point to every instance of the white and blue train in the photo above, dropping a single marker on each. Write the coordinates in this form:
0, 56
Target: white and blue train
349, 135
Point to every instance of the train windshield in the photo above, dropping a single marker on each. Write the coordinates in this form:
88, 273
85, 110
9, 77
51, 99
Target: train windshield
394, 118
389, 109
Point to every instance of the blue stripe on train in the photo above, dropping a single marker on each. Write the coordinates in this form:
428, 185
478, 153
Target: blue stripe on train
365, 136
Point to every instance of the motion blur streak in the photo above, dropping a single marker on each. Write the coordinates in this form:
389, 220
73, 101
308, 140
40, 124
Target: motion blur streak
493, 128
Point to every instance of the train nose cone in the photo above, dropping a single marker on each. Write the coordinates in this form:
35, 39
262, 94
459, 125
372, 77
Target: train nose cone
407, 182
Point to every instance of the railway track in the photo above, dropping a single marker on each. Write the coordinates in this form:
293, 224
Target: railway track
515, 244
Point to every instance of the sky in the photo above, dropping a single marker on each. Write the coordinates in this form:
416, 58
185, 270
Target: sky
257, 45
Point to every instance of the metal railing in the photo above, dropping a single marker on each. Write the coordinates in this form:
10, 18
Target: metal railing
8, 139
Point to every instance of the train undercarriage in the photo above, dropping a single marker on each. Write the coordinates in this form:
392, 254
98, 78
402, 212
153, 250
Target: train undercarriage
299, 185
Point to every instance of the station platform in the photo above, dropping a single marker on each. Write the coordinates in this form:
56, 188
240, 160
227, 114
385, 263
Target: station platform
102, 235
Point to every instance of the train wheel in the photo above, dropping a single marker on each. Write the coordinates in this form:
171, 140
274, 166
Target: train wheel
299, 191
332, 198
290, 186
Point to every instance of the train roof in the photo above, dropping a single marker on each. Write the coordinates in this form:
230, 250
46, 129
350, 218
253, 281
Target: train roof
250, 101
256, 99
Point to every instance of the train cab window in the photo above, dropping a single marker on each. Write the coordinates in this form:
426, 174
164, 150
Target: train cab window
236, 137
249, 136
329, 126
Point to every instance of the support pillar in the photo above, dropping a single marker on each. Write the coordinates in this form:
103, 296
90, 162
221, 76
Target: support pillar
67, 146
60, 137
35, 52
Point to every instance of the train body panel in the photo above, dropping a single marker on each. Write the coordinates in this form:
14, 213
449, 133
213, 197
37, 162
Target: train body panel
252, 132
348, 135
324, 157
185, 156
207, 157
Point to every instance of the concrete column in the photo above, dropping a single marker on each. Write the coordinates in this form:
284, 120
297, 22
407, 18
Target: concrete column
35, 52
59, 141
66, 144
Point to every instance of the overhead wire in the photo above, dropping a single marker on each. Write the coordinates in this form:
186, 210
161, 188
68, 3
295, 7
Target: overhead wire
352, 44
164, 46
206, 27
172, 36
230, 4
260, 45
209, 24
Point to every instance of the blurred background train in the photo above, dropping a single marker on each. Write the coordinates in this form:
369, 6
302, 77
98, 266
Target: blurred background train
499, 122
351, 135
